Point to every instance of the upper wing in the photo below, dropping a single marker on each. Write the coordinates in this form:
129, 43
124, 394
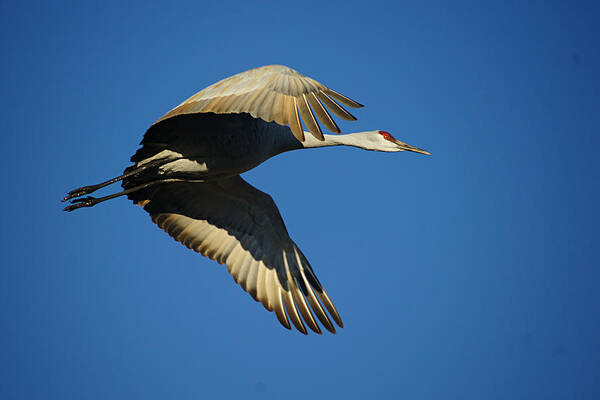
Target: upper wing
235, 224
272, 93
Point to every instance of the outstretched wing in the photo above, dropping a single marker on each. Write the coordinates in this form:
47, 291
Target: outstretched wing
236, 224
272, 93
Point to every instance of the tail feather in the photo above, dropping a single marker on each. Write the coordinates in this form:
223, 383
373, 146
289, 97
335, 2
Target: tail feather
147, 150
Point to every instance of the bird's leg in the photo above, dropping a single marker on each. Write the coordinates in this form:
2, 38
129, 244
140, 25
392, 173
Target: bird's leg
90, 201
92, 188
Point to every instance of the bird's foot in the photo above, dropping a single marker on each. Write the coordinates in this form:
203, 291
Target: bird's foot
83, 202
80, 192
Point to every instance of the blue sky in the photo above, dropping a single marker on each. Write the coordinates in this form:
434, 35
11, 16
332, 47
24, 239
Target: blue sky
469, 274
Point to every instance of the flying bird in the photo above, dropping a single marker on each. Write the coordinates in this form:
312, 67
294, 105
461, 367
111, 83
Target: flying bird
186, 175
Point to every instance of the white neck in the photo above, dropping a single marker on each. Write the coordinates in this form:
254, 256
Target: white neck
356, 139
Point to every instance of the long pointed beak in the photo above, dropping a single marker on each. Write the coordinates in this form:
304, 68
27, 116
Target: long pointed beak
407, 147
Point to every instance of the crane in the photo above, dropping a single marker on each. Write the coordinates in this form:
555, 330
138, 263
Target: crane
186, 175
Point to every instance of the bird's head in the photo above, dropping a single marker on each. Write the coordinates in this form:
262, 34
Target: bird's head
369, 140
384, 141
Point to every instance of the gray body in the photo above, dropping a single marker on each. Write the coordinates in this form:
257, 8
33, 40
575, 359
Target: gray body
210, 146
